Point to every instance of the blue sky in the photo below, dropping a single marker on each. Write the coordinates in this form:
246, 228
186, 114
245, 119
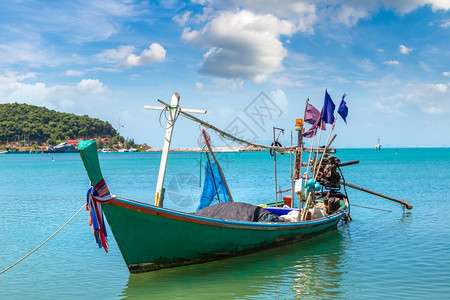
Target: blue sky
108, 59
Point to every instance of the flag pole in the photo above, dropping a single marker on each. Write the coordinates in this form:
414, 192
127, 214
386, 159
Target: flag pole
299, 149
328, 140
318, 144
329, 135
309, 159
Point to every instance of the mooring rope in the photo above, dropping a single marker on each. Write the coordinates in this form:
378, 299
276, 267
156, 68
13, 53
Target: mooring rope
372, 208
35, 249
281, 192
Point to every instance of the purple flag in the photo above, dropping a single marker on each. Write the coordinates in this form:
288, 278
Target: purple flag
311, 132
343, 109
312, 116
328, 109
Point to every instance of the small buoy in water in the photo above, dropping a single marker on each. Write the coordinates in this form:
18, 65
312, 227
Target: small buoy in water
53, 159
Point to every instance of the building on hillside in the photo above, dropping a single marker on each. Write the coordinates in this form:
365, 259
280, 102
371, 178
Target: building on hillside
73, 142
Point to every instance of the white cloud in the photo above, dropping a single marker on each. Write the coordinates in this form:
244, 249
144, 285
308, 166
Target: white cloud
199, 86
201, 2
367, 83
406, 6
280, 99
31, 53
438, 87
387, 109
242, 44
391, 62
446, 73
10, 77
76, 21
339, 79
181, 20
438, 4
115, 55
366, 65
434, 110
73, 73
426, 67
237, 85
302, 13
231, 84
429, 98
82, 96
306, 13
155, 53
445, 24
349, 15
90, 86
40, 34
404, 50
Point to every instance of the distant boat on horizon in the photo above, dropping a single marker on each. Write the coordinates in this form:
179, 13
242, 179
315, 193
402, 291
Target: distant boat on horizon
378, 145
63, 147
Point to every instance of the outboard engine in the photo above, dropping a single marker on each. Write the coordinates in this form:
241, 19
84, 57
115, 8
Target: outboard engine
327, 173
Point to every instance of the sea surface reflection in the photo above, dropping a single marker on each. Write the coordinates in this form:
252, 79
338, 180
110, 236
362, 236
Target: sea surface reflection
307, 270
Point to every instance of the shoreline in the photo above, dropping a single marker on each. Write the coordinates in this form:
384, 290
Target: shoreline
215, 149
186, 149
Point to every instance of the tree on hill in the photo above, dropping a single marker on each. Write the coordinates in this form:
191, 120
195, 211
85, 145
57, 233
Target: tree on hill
41, 125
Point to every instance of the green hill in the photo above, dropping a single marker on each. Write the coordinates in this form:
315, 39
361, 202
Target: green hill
41, 125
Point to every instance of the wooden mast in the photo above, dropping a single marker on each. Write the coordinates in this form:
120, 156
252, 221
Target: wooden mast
299, 148
275, 167
159, 193
174, 111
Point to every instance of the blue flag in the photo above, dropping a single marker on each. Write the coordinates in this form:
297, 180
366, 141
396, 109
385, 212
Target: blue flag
328, 109
343, 109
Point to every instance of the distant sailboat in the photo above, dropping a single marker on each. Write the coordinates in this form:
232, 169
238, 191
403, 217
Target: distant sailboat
378, 145
123, 149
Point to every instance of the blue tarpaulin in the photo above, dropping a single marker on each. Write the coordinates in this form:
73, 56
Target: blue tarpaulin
213, 188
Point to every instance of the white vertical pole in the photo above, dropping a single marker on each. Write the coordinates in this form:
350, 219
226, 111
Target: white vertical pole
159, 194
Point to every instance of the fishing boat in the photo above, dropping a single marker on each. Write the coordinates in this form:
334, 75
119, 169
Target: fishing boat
152, 237
378, 145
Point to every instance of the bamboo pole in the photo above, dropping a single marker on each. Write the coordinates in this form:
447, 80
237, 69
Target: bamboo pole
174, 109
227, 135
323, 154
299, 152
403, 203
309, 159
159, 193
318, 144
292, 177
275, 167
213, 178
329, 135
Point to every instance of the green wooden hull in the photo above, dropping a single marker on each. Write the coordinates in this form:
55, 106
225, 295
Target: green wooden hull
152, 238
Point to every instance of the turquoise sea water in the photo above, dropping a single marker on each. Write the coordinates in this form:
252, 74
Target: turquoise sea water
395, 255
